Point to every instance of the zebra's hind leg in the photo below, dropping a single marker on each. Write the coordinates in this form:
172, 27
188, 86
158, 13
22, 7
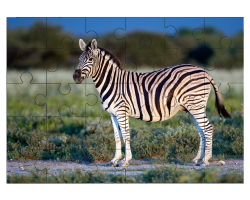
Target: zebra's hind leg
205, 131
199, 156
118, 136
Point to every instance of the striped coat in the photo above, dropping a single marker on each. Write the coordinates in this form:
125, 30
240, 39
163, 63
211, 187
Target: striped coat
154, 96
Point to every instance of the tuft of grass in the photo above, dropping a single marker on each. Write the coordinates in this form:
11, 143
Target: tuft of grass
158, 175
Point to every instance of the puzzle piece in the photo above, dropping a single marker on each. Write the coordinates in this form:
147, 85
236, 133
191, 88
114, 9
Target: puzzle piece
140, 44
212, 53
53, 91
181, 50
225, 44
54, 42
26, 55
225, 86
36, 33
23, 95
52, 74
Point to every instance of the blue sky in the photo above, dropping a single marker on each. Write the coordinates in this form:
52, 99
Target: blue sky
229, 26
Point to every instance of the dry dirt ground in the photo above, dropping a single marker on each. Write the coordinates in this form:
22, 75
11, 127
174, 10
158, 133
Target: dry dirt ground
136, 167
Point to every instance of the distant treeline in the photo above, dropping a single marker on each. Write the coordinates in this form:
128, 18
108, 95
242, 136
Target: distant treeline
40, 47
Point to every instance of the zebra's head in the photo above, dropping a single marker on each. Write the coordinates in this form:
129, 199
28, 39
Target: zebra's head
87, 61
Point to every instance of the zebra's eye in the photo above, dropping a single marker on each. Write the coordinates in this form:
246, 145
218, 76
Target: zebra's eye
90, 59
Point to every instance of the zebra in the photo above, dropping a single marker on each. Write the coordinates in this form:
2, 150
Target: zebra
153, 96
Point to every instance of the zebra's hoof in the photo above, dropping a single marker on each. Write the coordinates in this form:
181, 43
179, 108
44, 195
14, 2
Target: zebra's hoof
194, 163
124, 163
204, 164
111, 164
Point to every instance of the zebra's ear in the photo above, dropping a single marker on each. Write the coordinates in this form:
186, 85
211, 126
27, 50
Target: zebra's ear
82, 44
94, 44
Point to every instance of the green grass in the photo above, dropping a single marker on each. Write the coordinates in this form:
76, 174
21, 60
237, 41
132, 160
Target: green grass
69, 136
158, 175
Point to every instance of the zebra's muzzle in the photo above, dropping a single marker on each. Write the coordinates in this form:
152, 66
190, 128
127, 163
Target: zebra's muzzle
77, 76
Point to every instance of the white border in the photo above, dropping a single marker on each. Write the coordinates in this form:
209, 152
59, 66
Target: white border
128, 8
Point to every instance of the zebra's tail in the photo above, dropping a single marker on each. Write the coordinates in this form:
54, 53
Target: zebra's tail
219, 102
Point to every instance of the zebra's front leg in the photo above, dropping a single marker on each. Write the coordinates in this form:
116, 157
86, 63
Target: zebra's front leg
122, 118
128, 154
118, 136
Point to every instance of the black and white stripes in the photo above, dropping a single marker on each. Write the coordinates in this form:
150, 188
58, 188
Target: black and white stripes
154, 96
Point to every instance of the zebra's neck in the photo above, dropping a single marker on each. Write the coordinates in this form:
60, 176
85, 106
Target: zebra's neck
107, 74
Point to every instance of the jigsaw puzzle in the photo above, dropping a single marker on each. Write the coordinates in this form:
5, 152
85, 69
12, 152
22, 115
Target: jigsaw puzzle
125, 100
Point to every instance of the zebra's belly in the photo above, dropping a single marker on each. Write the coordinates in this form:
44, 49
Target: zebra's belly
144, 115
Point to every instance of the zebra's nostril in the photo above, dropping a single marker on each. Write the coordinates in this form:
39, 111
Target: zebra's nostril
76, 74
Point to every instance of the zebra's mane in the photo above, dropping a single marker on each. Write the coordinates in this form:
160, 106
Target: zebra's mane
107, 52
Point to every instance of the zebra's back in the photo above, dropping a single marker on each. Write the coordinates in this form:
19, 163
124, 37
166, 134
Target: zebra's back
159, 95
